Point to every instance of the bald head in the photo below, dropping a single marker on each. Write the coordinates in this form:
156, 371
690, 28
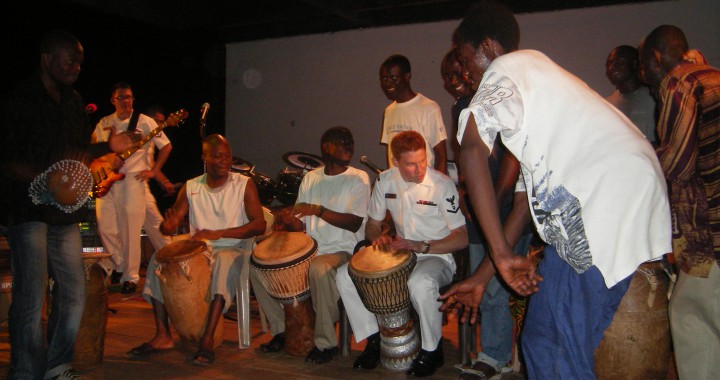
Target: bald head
212, 142
660, 52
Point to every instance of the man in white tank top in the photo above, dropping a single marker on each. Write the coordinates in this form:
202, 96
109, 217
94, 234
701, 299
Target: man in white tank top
224, 211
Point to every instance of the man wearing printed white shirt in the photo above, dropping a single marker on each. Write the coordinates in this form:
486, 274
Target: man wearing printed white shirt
595, 190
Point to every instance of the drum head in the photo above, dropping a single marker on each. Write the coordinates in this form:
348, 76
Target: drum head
376, 262
180, 250
283, 247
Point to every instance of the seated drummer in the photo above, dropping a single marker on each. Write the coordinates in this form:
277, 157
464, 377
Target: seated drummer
331, 208
424, 206
224, 210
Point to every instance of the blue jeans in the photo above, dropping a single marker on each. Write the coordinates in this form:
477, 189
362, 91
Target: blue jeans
496, 323
39, 250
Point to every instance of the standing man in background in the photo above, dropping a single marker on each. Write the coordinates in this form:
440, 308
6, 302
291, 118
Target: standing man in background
121, 212
630, 96
689, 153
411, 111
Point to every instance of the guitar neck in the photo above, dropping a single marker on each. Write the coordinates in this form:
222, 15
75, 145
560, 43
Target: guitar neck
144, 140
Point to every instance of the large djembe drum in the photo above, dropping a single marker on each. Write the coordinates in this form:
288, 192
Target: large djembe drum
185, 272
281, 263
380, 278
636, 345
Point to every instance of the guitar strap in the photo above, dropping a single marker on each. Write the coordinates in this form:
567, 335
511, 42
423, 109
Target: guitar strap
133, 121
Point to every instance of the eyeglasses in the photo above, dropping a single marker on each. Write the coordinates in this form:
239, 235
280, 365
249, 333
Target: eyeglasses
123, 97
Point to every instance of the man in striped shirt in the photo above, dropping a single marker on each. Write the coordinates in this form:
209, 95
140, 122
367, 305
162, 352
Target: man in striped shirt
689, 130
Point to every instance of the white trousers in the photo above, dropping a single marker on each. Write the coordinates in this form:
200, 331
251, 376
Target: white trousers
153, 219
121, 215
431, 272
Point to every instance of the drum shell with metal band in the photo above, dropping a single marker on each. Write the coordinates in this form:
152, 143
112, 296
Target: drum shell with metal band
184, 268
381, 281
281, 263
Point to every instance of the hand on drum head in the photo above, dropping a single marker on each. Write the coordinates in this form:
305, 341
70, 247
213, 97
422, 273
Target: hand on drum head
383, 242
171, 222
285, 220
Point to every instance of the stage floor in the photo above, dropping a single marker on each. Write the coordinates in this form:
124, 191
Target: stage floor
131, 323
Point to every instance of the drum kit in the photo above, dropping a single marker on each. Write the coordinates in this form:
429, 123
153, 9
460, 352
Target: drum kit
285, 186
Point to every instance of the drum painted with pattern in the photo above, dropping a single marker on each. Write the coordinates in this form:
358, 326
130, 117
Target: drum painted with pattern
281, 262
636, 345
185, 272
380, 278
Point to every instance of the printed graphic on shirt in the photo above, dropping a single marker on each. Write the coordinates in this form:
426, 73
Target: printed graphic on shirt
490, 95
559, 216
397, 128
453, 205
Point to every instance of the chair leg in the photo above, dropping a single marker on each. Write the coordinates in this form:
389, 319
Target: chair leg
263, 319
464, 336
242, 300
344, 330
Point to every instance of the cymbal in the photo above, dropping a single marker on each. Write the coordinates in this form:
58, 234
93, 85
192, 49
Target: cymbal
241, 166
302, 160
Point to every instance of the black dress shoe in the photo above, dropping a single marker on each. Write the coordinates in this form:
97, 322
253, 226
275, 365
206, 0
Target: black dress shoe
275, 344
427, 362
129, 287
115, 277
370, 357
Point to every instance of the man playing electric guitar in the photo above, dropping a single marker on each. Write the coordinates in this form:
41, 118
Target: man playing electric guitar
121, 212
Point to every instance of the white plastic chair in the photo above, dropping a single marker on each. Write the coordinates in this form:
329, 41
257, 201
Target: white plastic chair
242, 299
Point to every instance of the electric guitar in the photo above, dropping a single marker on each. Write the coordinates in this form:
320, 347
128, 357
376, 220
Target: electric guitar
104, 176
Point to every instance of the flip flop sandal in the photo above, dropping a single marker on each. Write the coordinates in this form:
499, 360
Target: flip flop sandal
204, 357
144, 350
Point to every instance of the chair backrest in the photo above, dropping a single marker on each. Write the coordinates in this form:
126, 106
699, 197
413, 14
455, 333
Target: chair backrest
269, 220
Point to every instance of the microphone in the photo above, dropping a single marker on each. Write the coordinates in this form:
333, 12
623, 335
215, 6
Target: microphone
369, 164
203, 111
90, 108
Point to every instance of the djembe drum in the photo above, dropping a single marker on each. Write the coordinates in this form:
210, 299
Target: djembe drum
281, 263
380, 278
636, 345
185, 271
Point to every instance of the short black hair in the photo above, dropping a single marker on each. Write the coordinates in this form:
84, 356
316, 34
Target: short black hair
120, 85
337, 134
57, 38
489, 19
398, 60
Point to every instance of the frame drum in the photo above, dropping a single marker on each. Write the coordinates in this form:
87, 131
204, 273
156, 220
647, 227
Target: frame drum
380, 278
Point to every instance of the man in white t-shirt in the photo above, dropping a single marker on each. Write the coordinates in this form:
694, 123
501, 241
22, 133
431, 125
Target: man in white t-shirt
121, 212
411, 111
425, 207
331, 207
595, 190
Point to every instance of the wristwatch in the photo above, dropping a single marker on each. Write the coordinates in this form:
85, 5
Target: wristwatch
426, 246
